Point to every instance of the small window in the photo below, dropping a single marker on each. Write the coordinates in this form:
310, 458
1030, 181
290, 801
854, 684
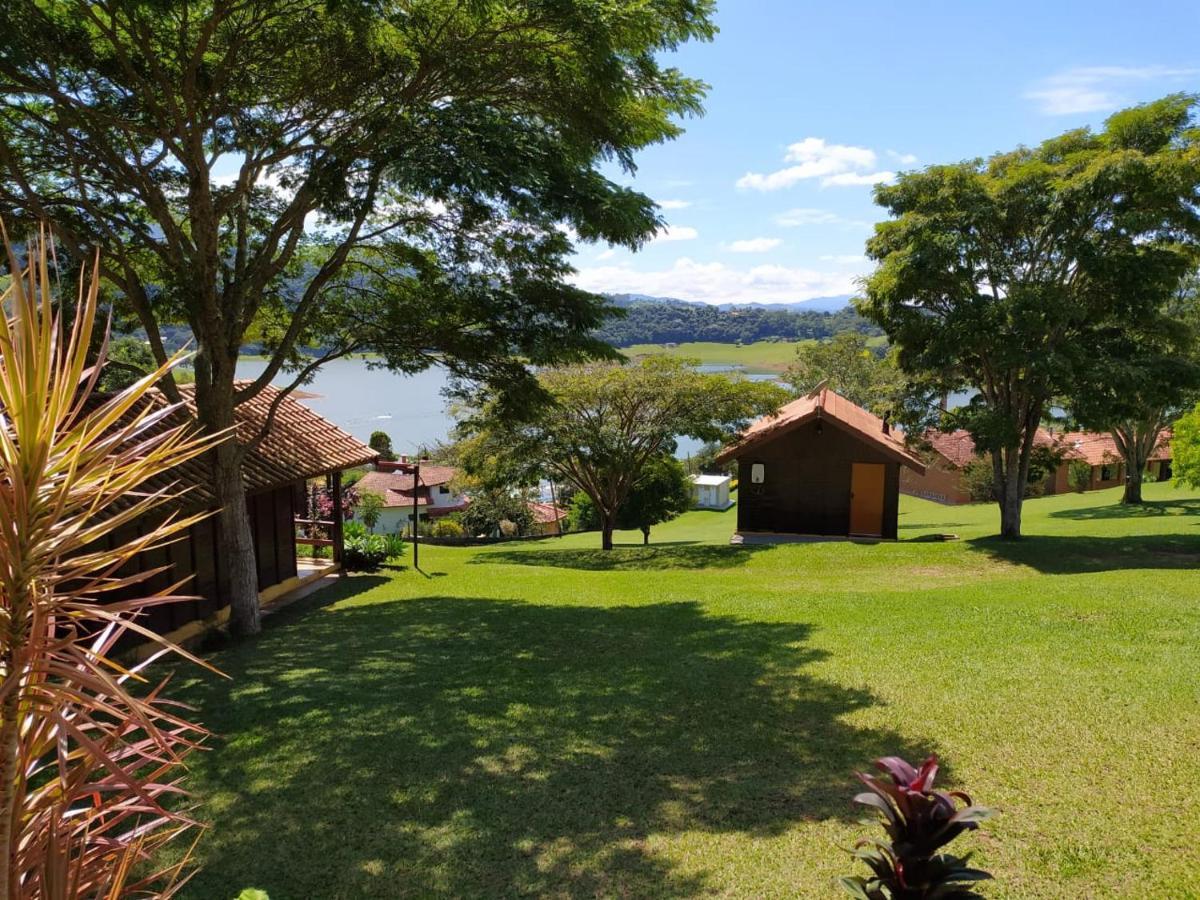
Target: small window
1106, 473
442, 489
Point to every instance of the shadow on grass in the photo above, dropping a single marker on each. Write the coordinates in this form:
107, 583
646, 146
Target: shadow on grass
1075, 555
479, 748
1147, 509
682, 555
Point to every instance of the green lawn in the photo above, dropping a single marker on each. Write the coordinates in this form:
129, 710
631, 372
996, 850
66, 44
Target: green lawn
546, 719
760, 357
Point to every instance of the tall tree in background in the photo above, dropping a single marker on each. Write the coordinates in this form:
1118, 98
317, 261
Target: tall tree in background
1139, 378
851, 368
1001, 276
605, 423
402, 176
662, 493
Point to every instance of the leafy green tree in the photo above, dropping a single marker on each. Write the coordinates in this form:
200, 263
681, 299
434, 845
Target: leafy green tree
402, 177
659, 495
381, 443
605, 423
369, 508
1185, 449
490, 508
1142, 374
128, 361
852, 369
1000, 275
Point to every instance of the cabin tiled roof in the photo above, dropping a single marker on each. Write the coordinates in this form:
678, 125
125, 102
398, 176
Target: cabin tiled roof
828, 406
299, 445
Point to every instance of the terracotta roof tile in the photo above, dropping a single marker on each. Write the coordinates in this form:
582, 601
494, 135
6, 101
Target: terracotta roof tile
829, 406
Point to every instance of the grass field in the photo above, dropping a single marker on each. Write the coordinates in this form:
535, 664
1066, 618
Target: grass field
545, 719
761, 357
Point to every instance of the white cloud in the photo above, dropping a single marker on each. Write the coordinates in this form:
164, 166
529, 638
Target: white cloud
754, 245
805, 216
674, 204
834, 164
846, 259
847, 179
675, 233
905, 159
606, 254
714, 282
1096, 88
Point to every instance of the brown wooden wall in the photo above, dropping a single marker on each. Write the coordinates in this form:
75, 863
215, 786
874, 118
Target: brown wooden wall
807, 485
197, 555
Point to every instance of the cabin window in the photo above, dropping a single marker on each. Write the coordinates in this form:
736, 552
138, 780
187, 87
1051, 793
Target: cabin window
1106, 473
758, 473
442, 489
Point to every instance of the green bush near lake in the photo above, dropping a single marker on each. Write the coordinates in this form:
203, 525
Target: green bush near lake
683, 720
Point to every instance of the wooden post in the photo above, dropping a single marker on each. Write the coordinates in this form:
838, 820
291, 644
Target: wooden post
338, 536
416, 512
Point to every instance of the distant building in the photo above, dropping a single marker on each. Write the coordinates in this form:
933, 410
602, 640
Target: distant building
711, 491
951, 452
433, 494
820, 466
548, 518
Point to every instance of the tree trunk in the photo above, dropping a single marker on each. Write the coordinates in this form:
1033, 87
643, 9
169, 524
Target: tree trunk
645, 536
1010, 490
1133, 485
606, 532
237, 540
10, 734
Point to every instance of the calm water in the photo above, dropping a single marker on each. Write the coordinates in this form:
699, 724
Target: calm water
410, 408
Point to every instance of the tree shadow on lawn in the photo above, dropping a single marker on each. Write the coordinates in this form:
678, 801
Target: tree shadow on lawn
1147, 509
480, 748
1069, 555
681, 555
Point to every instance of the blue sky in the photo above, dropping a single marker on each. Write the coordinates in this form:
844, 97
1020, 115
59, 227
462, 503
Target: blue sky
769, 195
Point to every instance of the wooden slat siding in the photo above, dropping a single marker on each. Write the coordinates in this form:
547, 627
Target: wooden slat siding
285, 531
158, 618
204, 553
221, 597
806, 489
183, 566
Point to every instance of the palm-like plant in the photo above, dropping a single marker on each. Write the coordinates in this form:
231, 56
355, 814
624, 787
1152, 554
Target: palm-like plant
89, 750
919, 821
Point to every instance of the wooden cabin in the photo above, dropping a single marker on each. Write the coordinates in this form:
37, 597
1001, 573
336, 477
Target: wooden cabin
820, 466
299, 446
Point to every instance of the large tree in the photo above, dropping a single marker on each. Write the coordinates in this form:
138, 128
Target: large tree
851, 367
405, 176
999, 275
1140, 377
605, 423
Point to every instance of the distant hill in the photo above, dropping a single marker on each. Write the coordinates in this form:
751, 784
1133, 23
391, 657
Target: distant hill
661, 320
816, 304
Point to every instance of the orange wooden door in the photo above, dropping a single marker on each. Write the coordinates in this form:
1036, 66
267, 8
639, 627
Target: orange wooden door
866, 499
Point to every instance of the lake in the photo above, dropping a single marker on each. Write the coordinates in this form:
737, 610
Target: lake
410, 408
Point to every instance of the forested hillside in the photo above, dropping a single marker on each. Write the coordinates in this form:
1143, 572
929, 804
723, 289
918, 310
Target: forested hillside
657, 322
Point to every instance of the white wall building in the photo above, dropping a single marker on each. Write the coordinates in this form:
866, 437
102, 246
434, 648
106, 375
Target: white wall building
711, 491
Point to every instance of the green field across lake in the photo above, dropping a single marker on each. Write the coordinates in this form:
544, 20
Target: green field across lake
547, 719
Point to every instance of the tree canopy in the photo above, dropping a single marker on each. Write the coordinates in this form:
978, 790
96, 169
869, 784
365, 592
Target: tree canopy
998, 276
406, 177
851, 368
604, 423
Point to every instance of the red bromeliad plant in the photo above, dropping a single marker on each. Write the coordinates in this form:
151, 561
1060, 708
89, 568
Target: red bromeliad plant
919, 821
90, 752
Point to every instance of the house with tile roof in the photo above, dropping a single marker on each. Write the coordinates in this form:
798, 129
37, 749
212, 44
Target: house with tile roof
819, 466
297, 446
412, 487
548, 518
948, 453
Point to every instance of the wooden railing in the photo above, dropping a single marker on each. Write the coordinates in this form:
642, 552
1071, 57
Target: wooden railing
326, 524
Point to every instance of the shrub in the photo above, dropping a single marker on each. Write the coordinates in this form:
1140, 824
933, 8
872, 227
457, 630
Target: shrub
447, 528
1079, 475
370, 507
919, 821
979, 480
365, 553
394, 545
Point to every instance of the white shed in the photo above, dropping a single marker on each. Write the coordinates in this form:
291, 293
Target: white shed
711, 492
